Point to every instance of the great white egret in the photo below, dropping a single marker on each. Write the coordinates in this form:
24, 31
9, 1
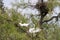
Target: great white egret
24, 24
34, 30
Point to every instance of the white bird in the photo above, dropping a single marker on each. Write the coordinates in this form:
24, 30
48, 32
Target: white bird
24, 24
45, 0
34, 30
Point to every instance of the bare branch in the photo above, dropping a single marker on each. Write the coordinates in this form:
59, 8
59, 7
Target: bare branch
50, 19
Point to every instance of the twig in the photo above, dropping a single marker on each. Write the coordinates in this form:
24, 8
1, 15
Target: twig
50, 19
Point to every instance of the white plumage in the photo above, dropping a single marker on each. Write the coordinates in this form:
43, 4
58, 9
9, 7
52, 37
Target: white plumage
34, 30
45, 0
24, 24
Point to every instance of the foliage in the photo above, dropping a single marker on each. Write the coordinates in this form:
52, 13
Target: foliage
9, 30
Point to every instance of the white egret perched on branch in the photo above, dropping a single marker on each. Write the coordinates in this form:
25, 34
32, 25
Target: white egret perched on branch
24, 24
34, 30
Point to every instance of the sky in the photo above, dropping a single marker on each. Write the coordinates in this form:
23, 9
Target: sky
7, 3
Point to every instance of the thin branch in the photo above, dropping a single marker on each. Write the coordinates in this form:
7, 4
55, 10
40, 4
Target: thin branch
50, 19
